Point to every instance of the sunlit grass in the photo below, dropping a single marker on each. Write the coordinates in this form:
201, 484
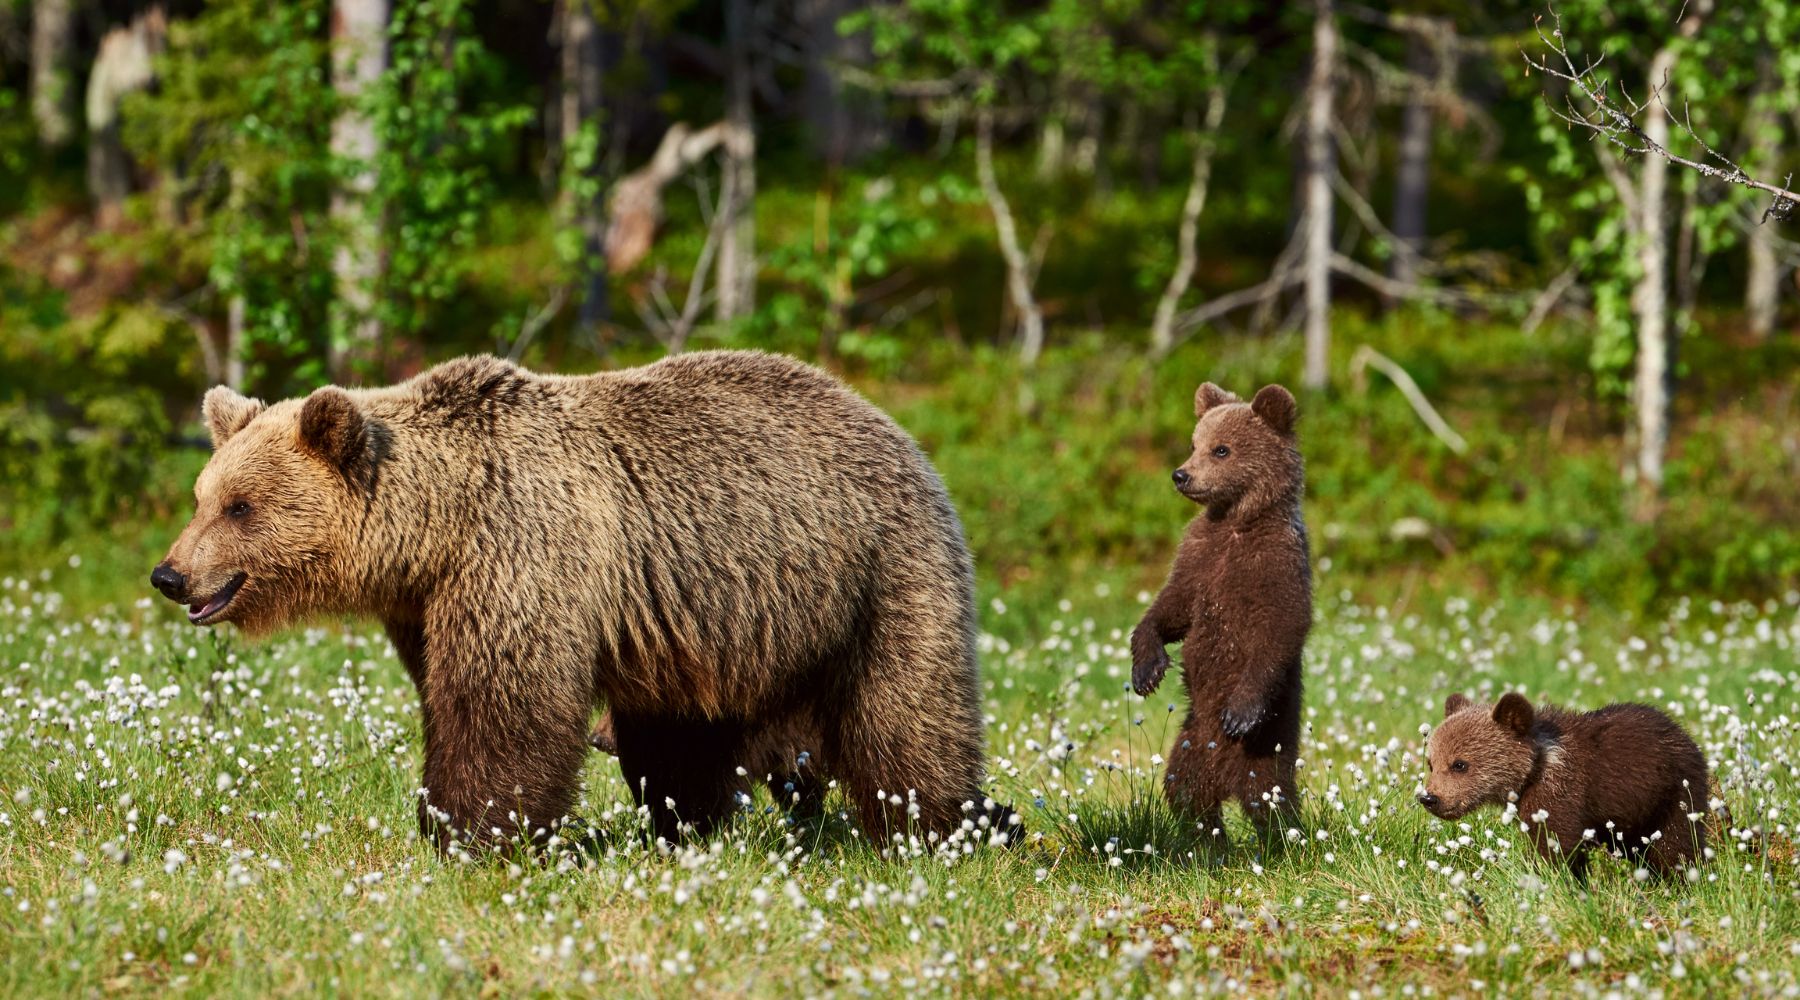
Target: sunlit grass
181, 811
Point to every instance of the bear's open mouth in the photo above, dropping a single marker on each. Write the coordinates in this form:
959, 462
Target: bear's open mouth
218, 602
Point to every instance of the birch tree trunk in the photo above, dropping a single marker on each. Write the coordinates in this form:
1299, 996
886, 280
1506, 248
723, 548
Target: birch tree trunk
52, 76
1320, 162
1412, 177
1762, 285
1162, 326
358, 58
584, 201
736, 275
1650, 299
1018, 265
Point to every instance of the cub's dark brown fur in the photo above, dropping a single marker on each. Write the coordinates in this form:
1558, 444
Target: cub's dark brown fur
1624, 777
1239, 600
718, 546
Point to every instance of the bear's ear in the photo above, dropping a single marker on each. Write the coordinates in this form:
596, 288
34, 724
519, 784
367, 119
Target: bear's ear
226, 412
1454, 704
1277, 408
1514, 712
1209, 396
332, 427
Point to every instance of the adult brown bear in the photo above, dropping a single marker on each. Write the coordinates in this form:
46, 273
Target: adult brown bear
716, 545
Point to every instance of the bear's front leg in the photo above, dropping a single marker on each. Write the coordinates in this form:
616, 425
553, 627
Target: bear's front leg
1164, 622
507, 739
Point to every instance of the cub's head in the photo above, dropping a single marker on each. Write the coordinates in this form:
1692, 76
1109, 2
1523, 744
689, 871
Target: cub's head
274, 510
1478, 754
1245, 454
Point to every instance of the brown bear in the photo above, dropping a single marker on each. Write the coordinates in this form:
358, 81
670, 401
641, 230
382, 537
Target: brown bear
1239, 600
1625, 777
717, 546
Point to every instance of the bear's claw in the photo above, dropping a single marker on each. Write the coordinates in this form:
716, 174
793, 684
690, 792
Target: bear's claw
1240, 722
1146, 674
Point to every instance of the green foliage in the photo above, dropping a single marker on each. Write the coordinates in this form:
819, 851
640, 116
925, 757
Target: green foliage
241, 122
438, 133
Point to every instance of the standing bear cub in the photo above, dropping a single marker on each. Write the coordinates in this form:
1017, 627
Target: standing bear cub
1625, 777
720, 546
1239, 600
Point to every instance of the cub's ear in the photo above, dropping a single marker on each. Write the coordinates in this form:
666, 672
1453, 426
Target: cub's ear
226, 412
1514, 712
1209, 396
1277, 408
1454, 704
333, 428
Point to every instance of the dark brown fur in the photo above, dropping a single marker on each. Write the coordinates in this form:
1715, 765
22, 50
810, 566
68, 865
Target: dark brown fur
718, 546
1627, 765
1239, 600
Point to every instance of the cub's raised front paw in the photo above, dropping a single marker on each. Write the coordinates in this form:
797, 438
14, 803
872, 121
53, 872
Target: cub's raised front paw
1147, 669
1240, 720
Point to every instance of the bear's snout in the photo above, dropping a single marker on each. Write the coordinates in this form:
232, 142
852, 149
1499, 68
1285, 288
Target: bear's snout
1182, 478
172, 584
1430, 801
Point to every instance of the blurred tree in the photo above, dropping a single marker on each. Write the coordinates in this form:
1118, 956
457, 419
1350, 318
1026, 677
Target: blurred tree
736, 282
123, 65
52, 70
1320, 165
358, 59
582, 198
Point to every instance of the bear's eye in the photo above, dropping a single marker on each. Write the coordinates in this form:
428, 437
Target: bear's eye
1221, 452
1459, 766
238, 509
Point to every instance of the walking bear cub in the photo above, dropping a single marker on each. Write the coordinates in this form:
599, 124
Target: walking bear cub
1239, 600
723, 547
1625, 777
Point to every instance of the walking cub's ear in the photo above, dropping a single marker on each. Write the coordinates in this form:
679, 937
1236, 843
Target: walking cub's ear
1454, 704
1277, 408
1209, 396
1514, 712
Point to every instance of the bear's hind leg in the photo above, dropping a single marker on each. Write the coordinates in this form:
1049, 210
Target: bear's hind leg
1677, 842
908, 742
1196, 762
685, 770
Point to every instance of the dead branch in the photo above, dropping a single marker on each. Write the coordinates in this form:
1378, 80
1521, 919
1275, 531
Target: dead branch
1616, 121
1368, 357
1018, 266
636, 206
535, 323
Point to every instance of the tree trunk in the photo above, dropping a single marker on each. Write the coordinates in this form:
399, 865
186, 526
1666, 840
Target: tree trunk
234, 343
52, 76
1412, 177
1320, 162
839, 122
583, 202
124, 63
1762, 286
1650, 301
736, 281
1018, 265
359, 57
1162, 327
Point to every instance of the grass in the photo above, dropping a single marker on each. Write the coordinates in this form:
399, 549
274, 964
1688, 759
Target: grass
184, 813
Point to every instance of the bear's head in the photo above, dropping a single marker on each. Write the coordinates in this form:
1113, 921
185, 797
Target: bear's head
1246, 456
274, 506
1478, 755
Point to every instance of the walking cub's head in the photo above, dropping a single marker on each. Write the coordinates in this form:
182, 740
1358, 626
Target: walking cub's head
1246, 455
1478, 755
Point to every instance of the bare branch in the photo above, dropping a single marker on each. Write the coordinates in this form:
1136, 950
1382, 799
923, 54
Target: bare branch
1369, 357
1616, 121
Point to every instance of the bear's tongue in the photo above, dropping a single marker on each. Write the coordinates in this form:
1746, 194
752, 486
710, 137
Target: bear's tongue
218, 600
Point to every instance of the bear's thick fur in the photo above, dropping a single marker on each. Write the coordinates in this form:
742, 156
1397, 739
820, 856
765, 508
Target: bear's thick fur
718, 546
1239, 600
1624, 777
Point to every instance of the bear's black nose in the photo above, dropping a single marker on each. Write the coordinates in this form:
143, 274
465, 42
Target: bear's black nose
1181, 477
172, 584
1428, 800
